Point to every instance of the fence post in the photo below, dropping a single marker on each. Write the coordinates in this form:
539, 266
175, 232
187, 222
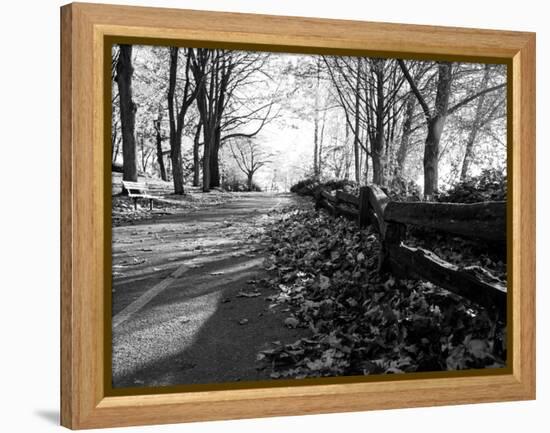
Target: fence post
395, 233
363, 207
317, 198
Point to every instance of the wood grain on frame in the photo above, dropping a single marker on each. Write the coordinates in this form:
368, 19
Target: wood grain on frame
84, 403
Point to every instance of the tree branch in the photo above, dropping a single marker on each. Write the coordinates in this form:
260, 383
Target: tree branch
415, 90
471, 98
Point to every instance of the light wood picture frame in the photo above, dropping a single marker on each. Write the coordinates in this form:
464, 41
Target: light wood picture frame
86, 30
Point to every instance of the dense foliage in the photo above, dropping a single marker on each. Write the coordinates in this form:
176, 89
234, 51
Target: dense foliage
310, 185
490, 185
401, 189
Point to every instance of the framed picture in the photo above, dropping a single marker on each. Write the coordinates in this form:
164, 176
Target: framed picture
265, 215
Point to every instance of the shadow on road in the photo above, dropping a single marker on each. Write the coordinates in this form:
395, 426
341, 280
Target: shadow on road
200, 329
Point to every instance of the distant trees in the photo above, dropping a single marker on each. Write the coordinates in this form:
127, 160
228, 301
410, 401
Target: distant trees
368, 90
339, 155
311, 101
406, 132
158, 141
385, 121
319, 116
382, 106
488, 107
250, 157
222, 77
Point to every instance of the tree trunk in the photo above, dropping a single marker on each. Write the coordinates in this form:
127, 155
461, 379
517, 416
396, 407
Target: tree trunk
316, 168
363, 139
349, 156
196, 159
431, 156
177, 166
356, 148
475, 128
124, 74
249, 181
143, 154
405, 136
160, 157
376, 169
316, 143
175, 133
114, 142
206, 160
435, 129
377, 146
214, 159
116, 149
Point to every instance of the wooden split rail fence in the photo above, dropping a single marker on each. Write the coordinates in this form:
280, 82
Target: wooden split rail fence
485, 222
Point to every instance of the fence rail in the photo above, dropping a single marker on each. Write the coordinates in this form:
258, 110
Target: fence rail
484, 221
477, 220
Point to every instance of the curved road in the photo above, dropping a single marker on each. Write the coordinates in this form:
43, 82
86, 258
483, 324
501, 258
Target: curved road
188, 304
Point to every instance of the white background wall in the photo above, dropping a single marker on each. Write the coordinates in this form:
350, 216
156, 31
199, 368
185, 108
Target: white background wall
29, 241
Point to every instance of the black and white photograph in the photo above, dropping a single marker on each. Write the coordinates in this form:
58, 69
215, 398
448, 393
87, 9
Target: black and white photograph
285, 216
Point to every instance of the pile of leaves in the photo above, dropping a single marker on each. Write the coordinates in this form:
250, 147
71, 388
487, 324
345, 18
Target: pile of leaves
359, 322
489, 258
490, 185
123, 211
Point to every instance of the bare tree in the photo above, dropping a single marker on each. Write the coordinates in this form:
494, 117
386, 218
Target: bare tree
225, 112
177, 117
250, 157
196, 157
435, 117
368, 90
485, 111
207, 104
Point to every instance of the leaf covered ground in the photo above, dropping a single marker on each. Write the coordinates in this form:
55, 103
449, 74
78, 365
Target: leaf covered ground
360, 323
124, 213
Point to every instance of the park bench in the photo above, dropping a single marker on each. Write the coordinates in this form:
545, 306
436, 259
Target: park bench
137, 190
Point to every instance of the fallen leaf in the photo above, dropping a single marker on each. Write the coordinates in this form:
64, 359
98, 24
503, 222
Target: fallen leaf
291, 322
324, 282
479, 348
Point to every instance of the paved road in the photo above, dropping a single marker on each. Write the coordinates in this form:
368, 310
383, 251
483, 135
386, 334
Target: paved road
177, 314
